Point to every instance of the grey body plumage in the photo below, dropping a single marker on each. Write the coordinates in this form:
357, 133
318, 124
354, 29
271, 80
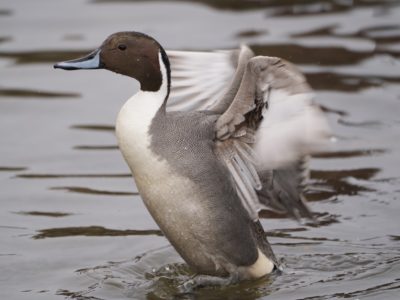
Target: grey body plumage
186, 141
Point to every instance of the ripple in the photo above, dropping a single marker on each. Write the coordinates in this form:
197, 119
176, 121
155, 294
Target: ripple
94, 127
4, 39
58, 176
338, 112
12, 227
96, 147
85, 190
366, 124
161, 274
251, 33
73, 37
12, 169
282, 6
91, 231
349, 153
362, 173
5, 12
346, 83
286, 235
339, 268
395, 237
22, 94
158, 274
325, 184
315, 8
55, 214
323, 56
378, 34
42, 56
319, 219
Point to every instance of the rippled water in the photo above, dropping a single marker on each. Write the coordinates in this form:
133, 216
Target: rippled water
71, 222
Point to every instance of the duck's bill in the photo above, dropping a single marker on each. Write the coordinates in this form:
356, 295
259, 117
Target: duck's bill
90, 61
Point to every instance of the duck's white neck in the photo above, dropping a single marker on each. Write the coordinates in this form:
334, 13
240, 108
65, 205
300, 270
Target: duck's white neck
143, 106
135, 118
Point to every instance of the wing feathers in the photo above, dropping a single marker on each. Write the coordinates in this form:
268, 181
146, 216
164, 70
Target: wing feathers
237, 158
268, 121
292, 128
199, 79
274, 99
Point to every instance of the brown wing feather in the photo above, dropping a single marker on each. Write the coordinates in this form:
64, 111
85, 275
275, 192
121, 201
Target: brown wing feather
281, 188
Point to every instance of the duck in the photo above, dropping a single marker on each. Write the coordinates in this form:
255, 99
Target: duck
211, 139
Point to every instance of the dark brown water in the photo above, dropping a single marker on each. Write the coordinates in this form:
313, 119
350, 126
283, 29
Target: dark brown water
71, 223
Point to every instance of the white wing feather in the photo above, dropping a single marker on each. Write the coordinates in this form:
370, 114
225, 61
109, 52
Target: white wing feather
199, 79
293, 126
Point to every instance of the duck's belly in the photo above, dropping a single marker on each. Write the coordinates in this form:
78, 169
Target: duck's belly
176, 205
179, 208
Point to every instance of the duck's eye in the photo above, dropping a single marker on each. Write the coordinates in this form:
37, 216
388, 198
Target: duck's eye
122, 47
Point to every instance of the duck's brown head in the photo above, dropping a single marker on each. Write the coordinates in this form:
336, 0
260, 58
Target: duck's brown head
133, 54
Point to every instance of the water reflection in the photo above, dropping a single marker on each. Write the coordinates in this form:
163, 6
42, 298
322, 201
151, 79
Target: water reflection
94, 127
99, 147
52, 214
4, 39
85, 190
42, 56
12, 169
319, 218
378, 34
321, 56
305, 8
284, 7
326, 184
286, 234
73, 37
59, 176
395, 237
20, 94
346, 83
251, 33
350, 153
5, 12
91, 231
366, 124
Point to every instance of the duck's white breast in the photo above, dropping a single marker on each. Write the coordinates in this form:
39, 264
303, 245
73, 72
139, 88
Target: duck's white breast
132, 128
158, 184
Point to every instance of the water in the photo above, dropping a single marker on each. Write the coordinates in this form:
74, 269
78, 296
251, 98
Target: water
72, 225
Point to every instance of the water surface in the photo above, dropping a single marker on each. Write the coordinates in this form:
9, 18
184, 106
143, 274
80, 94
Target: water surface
72, 225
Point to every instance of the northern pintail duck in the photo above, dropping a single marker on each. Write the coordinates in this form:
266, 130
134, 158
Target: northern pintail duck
211, 139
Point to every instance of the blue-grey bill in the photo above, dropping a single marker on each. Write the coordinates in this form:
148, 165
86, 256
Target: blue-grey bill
90, 61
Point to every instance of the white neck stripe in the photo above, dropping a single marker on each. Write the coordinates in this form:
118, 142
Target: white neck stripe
163, 90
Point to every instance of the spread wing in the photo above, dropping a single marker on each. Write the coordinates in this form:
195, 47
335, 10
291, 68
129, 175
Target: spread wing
269, 128
200, 79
